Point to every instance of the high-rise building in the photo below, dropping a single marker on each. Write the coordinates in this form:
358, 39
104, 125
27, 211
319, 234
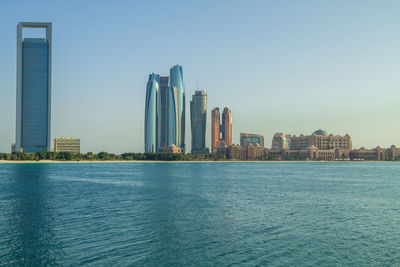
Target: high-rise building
165, 111
33, 90
172, 116
215, 132
176, 108
227, 127
151, 120
247, 139
67, 144
221, 134
163, 91
198, 119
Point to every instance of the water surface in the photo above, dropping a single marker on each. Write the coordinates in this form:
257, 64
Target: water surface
280, 214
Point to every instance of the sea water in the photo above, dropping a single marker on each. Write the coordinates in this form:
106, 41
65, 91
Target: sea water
217, 213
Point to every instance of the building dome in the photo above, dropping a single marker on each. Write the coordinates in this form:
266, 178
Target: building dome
320, 132
393, 146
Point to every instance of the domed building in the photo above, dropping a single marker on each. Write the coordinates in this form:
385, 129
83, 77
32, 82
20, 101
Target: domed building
320, 132
321, 140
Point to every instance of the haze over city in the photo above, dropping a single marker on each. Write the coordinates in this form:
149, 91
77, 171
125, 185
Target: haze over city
288, 67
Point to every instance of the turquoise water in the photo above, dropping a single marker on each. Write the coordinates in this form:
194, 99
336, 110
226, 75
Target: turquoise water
278, 214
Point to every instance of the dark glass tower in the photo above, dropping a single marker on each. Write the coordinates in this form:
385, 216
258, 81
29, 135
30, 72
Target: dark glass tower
33, 90
163, 111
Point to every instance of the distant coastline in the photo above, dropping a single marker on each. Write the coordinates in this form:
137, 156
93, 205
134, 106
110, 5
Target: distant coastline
182, 161
68, 157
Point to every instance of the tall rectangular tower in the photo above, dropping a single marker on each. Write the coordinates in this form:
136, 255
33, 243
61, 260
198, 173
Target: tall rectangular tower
198, 119
33, 90
227, 127
215, 121
163, 142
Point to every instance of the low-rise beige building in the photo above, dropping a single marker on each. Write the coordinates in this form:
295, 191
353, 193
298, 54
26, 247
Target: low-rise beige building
172, 149
242, 153
238, 152
378, 153
67, 144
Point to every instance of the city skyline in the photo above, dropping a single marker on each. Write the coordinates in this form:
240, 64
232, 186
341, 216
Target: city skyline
330, 79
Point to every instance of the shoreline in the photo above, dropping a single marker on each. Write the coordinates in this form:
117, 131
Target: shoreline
179, 161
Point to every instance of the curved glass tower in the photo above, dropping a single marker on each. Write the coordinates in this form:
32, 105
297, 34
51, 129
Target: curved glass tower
151, 114
177, 103
165, 111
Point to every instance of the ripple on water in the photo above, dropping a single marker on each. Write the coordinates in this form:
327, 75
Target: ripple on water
280, 214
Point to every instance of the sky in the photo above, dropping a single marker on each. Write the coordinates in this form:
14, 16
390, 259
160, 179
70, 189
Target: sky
280, 66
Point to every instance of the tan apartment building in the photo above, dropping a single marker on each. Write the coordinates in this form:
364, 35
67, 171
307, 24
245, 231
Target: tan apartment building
67, 144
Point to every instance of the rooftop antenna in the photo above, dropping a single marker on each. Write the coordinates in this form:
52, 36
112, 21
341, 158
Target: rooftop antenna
197, 85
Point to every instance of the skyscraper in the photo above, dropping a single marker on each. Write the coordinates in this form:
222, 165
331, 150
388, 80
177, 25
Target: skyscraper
221, 134
215, 132
165, 111
227, 127
163, 91
198, 119
176, 108
172, 116
33, 90
151, 120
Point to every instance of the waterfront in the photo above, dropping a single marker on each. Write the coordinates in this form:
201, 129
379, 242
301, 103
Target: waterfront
225, 213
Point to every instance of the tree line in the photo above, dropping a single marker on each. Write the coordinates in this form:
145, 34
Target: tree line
104, 156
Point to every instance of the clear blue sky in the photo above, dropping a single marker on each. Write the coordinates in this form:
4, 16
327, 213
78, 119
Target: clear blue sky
280, 66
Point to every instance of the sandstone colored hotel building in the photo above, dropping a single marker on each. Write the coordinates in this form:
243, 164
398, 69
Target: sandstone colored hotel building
318, 146
238, 152
221, 134
321, 140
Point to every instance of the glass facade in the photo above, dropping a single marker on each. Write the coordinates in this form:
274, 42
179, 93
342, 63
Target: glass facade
165, 111
253, 140
35, 104
172, 116
151, 114
176, 81
163, 91
198, 119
